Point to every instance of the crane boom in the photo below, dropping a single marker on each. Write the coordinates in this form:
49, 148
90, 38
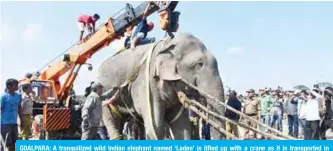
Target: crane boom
50, 95
109, 31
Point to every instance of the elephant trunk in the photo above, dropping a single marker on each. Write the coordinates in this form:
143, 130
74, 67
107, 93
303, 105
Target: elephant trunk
215, 89
210, 82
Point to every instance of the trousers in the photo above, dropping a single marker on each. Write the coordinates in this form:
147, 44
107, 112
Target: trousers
9, 134
89, 134
232, 128
26, 127
311, 131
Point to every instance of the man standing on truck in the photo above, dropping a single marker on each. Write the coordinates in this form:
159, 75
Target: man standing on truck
92, 111
139, 36
87, 21
10, 107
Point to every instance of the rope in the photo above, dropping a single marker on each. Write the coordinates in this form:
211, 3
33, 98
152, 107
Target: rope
147, 75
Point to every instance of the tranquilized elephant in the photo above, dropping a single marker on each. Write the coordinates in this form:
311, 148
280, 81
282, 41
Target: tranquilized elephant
183, 57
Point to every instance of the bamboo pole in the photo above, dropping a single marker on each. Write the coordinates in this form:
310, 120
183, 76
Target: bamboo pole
212, 100
214, 124
181, 95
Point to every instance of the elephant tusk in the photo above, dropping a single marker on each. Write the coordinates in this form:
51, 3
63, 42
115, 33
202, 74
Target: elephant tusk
178, 114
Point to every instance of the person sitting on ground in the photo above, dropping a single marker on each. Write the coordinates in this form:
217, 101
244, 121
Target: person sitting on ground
139, 36
87, 21
10, 107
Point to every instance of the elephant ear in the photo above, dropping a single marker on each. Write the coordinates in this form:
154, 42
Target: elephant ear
166, 64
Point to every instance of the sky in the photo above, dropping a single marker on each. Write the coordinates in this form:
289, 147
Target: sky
257, 44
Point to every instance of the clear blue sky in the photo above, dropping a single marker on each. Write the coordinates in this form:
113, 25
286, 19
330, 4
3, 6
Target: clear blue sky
257, 44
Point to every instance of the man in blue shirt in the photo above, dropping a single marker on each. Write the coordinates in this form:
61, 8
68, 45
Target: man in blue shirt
10, 107
139, 36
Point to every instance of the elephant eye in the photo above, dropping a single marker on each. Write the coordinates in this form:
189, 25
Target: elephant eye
198, 66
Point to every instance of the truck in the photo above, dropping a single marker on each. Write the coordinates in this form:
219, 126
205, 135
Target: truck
55, 100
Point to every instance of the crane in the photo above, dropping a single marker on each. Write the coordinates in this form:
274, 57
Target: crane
51, 93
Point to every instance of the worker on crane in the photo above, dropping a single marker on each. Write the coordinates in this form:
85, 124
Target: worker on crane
128, 35
139, 36
87, 21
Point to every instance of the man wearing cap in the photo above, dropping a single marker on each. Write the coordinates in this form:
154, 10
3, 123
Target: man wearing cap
266, 102
92, 111
251, 109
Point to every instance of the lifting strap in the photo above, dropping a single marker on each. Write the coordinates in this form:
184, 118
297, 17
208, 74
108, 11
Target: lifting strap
132, 77
146, 59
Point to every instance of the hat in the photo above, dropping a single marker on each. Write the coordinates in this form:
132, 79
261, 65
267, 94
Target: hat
250, 91
262, 90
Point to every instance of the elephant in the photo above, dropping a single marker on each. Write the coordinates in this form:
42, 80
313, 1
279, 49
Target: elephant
182, 57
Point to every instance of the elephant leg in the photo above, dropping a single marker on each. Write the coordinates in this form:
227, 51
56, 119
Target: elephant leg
216, 134
181, 128
142, 132
112, 123
139, 129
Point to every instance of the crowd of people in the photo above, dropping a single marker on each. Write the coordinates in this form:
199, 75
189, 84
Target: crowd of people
308, 113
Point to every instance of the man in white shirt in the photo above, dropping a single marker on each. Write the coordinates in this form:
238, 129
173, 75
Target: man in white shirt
301, 114
312, 114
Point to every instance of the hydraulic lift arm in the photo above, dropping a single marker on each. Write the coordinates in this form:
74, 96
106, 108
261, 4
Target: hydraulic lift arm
108, 32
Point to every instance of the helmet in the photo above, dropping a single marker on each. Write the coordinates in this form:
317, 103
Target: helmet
151, 25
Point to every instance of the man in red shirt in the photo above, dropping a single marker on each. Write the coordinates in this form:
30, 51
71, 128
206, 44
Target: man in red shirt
87, 21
